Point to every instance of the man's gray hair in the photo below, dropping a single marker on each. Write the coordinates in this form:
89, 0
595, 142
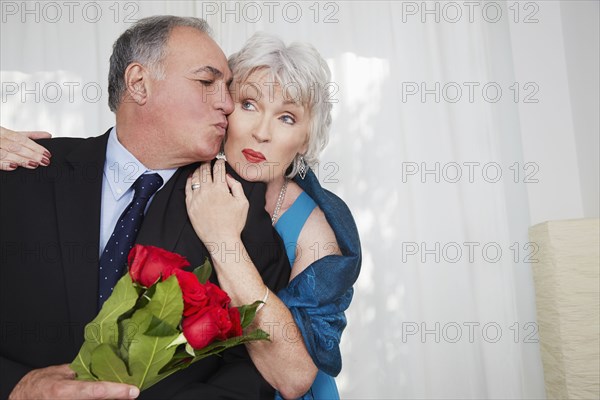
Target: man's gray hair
303, 76
145, 43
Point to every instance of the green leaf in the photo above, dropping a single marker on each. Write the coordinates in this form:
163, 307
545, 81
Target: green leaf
107, 365
158, 327
247, 313
146, 295
219, 346
178, 340
190, 350
104, 328
81, 364
167, 301
204, 271
181, 359
126, 329
127, 332
148, 354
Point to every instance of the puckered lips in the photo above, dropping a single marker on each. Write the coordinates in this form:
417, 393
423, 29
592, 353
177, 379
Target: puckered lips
253, 156
222, 126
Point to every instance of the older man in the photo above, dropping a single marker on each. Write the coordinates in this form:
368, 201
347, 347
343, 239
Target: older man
168, 86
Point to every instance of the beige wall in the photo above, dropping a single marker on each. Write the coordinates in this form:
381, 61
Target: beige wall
567, 294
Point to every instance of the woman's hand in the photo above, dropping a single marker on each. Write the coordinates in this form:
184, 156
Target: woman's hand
218, 215
18, 150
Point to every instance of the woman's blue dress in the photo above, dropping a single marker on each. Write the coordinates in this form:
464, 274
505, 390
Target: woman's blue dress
289, 226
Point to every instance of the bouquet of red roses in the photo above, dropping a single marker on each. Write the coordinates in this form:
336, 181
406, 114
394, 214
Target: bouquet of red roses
160, 319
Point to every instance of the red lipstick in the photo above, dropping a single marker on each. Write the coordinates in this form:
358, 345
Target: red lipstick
253, 156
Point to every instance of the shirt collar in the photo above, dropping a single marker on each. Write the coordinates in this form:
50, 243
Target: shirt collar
122, 168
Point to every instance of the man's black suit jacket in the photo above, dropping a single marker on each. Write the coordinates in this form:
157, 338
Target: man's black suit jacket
50, 224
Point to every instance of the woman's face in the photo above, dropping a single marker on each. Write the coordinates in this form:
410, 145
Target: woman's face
266, 129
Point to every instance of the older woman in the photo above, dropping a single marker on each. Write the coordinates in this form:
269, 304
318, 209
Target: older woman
276, 132
279, 125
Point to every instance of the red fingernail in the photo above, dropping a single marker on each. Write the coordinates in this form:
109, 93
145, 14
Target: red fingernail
47, 154
12, 165
45, 161
33, 164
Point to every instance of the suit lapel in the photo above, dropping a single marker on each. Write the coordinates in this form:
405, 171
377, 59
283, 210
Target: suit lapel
166, 223
78, 198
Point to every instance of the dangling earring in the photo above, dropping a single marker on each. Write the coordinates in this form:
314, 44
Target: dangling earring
221, 155
302, 167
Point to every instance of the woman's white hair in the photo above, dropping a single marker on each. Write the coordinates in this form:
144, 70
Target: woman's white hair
304, 76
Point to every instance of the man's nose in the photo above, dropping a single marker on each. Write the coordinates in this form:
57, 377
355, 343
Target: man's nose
225, 102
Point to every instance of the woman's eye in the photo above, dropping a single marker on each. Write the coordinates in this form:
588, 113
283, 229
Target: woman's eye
206, 83
246, 105
287, 119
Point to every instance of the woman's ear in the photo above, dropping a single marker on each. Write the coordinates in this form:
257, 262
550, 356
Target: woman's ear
304, 148
136, 81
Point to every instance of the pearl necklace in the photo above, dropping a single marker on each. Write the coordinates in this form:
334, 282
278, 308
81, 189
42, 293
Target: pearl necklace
279, 201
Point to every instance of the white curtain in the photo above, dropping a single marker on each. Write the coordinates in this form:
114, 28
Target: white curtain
426, 148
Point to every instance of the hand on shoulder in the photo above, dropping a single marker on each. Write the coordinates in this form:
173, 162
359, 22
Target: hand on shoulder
17, 149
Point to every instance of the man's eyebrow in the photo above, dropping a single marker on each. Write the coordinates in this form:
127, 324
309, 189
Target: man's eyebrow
212, 70
209, 69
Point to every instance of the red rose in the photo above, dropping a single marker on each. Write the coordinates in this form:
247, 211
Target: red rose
148, 263
203, 328
236, 323
194, 293
217, 297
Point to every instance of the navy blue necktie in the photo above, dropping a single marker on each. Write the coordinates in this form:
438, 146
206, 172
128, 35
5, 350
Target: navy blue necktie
114, 258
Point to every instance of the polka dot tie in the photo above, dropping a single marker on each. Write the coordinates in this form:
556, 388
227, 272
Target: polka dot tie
113, 261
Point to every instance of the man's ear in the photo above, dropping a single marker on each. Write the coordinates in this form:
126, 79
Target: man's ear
136, 80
